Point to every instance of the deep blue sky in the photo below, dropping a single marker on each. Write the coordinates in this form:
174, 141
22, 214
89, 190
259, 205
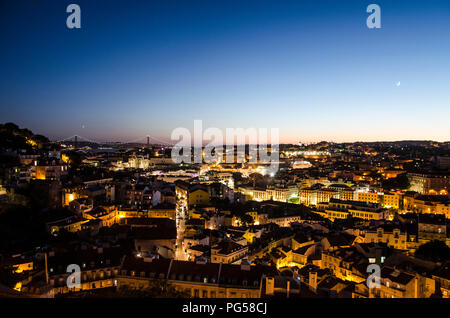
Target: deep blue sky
311, 68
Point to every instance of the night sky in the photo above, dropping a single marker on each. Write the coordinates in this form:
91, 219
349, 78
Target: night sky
311, 68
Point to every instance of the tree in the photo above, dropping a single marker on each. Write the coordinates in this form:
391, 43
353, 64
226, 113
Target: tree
399, 182
259, 180
12, 137
294, 200
21, 228
436, 251
74, 161
8, 277
246, 219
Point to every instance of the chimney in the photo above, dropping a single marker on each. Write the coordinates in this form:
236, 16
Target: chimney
46, 268
378, 254
313, 281
270, 285
288, 288
201, 260
150, 257
245, 265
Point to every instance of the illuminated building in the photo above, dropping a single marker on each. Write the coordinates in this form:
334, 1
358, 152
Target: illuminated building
198, 279
163, 210
429, 183
442, 278
427, 204
282, 220
259, 194
98, 266
400, 284
338, 209
443, 162
432, 227
49, 170
227, 252
17, 263
2, 190
282, 194
317, 194
391, 200
275, 193
28, 159
70, 224
190, 195
138, 195
347, 195
301, 164
372, 197
389, 174
138, 162
153, 235
196, 251
106, 214
346, 264
301, 240
130, 212
81, 205
325, 195
443, 209
392, 237
281, 256
251, 234
70, 194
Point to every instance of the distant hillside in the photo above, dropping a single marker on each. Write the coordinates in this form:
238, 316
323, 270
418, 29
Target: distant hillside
14, 138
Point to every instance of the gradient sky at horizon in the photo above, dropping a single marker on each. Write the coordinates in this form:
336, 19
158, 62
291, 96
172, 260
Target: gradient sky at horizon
310, 68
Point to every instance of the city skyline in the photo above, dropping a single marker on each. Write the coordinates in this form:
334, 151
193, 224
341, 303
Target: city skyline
224, 156
157, 141
312, 69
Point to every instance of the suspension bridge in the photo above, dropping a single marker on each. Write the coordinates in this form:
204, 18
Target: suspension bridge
148, 140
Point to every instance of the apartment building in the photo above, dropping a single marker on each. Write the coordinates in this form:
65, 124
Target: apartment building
198, 279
